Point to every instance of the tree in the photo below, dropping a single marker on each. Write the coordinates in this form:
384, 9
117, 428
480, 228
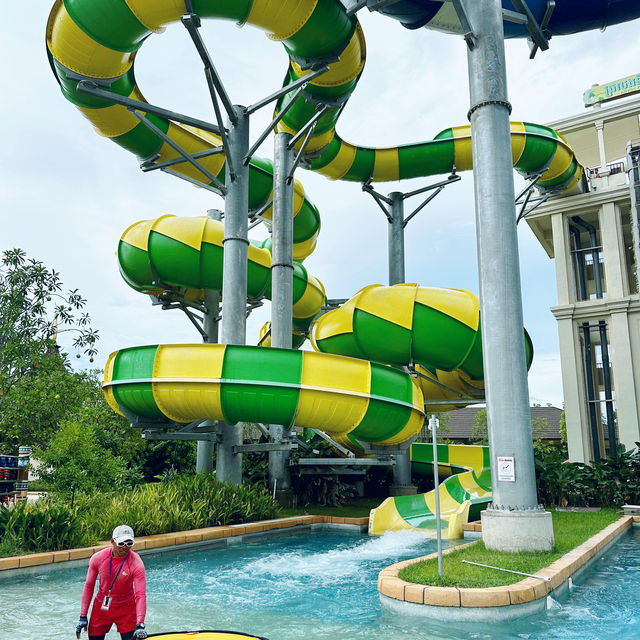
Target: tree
480, 430
33, 312
75, 461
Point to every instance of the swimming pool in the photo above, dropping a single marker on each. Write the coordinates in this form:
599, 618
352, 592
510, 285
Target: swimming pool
319, 585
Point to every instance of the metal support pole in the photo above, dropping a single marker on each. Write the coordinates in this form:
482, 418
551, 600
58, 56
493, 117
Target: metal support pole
282, 287
396, 238
234, 285
505, 369
204, 455
433, 426
402, 468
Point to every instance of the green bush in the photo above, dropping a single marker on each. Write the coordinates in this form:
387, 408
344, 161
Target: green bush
178, 503
603, 483
40, 527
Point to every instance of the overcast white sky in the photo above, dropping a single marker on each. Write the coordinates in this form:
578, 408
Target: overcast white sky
66, 195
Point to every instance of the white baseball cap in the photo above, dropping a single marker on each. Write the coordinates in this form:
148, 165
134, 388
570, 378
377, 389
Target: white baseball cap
122, 533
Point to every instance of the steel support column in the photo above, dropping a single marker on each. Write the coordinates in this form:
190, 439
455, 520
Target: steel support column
282, 287
396, 238
234, 285
204, 455
402, 467
505, 370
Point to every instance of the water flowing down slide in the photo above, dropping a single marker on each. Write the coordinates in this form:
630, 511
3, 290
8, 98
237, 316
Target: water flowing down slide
463, 494
349, 395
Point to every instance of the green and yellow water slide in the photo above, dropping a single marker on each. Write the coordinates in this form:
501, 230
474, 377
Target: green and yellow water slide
346, 388
465, 491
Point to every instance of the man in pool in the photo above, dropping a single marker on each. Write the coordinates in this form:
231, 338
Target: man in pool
122, 591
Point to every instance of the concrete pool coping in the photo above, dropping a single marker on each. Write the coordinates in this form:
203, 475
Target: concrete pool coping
494, 603
183, 540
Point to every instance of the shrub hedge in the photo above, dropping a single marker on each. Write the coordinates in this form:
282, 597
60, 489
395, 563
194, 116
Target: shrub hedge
610, 482
178, 503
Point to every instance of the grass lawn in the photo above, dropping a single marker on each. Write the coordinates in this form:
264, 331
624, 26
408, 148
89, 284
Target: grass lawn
571, 529
353, 508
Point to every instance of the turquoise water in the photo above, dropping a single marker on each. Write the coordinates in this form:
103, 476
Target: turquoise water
315, 586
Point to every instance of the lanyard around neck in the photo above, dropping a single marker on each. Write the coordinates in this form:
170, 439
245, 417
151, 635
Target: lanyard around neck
119, 569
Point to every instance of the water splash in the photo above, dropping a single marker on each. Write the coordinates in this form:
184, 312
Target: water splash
336, 564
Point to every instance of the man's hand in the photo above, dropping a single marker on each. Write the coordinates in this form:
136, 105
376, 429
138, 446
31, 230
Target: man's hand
82, 625
140, 632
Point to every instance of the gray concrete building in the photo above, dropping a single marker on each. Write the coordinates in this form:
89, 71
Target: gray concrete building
593, 238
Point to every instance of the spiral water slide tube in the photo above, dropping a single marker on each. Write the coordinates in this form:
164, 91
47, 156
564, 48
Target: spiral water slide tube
568, 16
465, 491
97, 41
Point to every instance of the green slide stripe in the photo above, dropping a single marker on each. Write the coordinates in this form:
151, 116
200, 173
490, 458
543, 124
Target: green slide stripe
260, 181
343, 344
444, 341
438, 156
141, 141
211, 261
179, 264
134, 265
109, 22
256, 402
226, 9
455, 489
314, 39
300, 281
383, 419
394, 348
563, 179
136, 362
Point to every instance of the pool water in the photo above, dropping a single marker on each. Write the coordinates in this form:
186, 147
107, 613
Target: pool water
318, 585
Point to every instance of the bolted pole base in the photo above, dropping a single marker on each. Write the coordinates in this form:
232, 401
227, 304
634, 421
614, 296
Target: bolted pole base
517, 530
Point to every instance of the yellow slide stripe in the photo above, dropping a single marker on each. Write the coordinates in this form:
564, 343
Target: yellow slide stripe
447, 503
386, 165
341, 164
192, 140
344, 411
189, 231
348, 67
393, 304
386, 518
155, 14
214, 233
315, 142
560, 162
455, 303
137, 235
108, 376
463, 456
468, 483
303, 249
115, 120
334, 323
281, 18
462, 148
186, 401
77, 51
311, 300
518, 141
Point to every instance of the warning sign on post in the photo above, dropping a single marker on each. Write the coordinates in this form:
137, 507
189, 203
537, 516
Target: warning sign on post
506, 469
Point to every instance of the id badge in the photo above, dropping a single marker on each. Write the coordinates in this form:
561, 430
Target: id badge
106, 603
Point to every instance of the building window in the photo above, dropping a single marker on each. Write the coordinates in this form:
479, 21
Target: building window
600, 398
587, 257
629, 253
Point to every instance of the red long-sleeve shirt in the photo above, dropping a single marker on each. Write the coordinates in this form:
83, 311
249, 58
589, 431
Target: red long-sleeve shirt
130, 587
